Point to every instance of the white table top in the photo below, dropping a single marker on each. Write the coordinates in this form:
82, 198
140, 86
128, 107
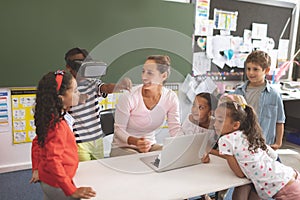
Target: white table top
127, 177
286, 96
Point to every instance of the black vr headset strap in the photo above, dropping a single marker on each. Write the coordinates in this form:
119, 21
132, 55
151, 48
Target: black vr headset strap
75, 64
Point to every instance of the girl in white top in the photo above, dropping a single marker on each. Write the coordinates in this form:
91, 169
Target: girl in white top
201, 119
140, 112
243, 146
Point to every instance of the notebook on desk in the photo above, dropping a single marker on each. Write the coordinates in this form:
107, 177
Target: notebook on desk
178, 152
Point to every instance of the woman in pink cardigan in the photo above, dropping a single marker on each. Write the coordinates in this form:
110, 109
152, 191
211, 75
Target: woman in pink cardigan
143, 110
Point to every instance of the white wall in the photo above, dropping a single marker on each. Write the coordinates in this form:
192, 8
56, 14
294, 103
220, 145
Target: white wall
12, 156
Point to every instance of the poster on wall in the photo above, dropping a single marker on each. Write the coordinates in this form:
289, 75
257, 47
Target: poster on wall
110, 101
22, 103
4, 111
203, 26
225, 20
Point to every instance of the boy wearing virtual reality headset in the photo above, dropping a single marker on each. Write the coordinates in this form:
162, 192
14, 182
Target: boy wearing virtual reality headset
87, 126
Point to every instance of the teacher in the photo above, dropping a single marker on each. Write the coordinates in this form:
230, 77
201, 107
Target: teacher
143, 110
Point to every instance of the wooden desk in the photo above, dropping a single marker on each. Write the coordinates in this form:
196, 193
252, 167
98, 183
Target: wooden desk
127, 177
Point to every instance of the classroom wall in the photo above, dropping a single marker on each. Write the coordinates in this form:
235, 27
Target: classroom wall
36, 34
12, 157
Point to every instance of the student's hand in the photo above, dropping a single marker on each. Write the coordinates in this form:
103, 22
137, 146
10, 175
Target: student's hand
84, 193
82, 98
275, 146
35, 176
124, 84
214, 152
205, 158
143, 145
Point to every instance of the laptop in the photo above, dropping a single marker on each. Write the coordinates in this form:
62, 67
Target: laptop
179, 151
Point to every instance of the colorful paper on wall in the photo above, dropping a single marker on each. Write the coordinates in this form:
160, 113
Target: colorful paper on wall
225, 20
22, 102
4, 117
202, 9
202, 23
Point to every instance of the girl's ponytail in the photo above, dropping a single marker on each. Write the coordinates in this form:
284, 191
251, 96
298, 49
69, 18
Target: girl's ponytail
246, 115
252, 130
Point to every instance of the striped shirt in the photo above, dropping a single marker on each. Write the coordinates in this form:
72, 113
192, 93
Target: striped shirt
87, 125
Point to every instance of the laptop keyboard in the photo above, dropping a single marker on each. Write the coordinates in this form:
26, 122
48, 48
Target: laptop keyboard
156, 162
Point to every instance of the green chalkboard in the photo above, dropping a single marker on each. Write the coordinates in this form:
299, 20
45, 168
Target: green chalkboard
36, 34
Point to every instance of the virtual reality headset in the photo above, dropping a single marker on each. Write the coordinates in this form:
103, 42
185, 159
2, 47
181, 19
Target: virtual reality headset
89, 69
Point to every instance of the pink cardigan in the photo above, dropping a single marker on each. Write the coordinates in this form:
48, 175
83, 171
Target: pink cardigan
133, 118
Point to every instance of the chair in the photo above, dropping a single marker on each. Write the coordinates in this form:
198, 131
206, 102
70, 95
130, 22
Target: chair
107, 120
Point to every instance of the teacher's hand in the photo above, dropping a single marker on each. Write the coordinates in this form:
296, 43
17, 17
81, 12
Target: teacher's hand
143, 145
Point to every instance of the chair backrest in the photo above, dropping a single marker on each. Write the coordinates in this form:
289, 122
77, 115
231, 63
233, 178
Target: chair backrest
107, 120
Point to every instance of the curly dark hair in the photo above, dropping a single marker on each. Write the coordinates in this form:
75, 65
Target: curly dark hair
248, 124
48, 104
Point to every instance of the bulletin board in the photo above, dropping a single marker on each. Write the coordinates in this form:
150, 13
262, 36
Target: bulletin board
22, 103
281, 18
250, 12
